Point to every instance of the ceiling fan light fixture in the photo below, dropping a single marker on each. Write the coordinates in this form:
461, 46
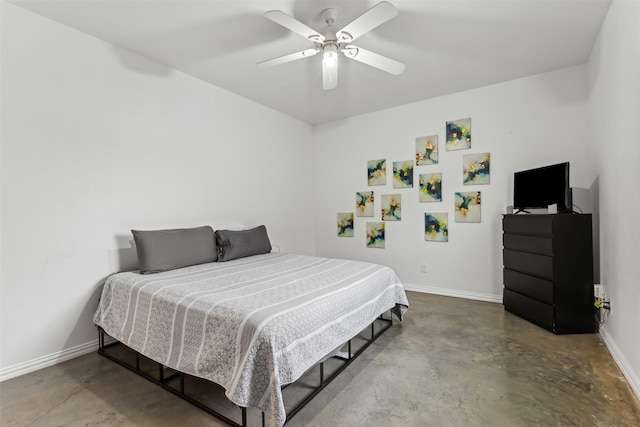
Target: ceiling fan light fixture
329, 75
329, 66
330, 55
330, 59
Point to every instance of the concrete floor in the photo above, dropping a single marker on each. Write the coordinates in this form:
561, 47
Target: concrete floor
452, 362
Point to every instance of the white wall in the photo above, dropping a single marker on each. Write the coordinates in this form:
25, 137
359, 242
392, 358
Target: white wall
97, 141
614, 117
523, 123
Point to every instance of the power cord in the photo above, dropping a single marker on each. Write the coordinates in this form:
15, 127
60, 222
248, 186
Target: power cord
604, 307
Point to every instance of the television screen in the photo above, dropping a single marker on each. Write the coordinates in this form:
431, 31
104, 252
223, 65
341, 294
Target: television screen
541, 187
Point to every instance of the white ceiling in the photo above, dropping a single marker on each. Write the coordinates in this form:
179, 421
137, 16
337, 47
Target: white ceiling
447, 45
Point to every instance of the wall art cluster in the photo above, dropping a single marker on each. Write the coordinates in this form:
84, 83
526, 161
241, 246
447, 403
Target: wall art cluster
403, 174
364, 203
377, 172
427, 150
467, 205
436, 227
430, 187
459, 134
475, 168
375, 235
345, 224
391, 207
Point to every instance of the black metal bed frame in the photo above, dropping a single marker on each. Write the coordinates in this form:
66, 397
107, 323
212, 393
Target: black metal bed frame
163, 380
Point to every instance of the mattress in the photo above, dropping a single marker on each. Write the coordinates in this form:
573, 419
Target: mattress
251, 325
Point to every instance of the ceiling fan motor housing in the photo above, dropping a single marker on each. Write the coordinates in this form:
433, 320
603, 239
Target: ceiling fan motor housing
330, 15
329, 32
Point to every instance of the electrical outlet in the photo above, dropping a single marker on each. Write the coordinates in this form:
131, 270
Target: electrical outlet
598, 291
423, 267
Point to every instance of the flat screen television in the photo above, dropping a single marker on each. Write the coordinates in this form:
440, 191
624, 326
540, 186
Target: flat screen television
541, 187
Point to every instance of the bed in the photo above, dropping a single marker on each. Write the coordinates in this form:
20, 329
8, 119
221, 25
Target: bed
252, 324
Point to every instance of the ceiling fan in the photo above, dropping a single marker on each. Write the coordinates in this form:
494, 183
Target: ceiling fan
330, 42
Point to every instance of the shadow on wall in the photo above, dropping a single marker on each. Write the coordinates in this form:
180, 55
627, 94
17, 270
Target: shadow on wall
594, 201
194, 43
134, 62
85, 318
125, 258
585, 200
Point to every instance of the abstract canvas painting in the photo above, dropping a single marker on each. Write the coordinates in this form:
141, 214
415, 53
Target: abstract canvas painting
403, 174
436, 227
430, 187
375, 234
459, 135
391, 207
467, 206
345, 224
377, 172
364, 203
475, 168
427, 150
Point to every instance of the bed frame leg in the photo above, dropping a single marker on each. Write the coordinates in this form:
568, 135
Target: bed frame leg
100, 340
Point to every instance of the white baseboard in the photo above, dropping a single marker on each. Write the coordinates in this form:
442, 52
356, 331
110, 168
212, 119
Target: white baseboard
628, 373
50, 360
453, 293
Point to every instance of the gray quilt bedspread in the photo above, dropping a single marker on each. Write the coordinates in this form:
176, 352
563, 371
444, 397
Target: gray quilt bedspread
252, 324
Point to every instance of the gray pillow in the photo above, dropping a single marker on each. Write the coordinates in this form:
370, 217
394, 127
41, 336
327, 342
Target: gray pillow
237, 244
162, 250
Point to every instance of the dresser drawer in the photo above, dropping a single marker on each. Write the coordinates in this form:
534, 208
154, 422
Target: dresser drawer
528, 224
534, 311
529, 286
524, 262
535, 244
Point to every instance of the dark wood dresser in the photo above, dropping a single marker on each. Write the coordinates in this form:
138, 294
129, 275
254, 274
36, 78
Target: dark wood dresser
548, 271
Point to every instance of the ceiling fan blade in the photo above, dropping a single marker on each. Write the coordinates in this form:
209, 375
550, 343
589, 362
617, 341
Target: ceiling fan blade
294, 25
373, 59
288, 58
377, 15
